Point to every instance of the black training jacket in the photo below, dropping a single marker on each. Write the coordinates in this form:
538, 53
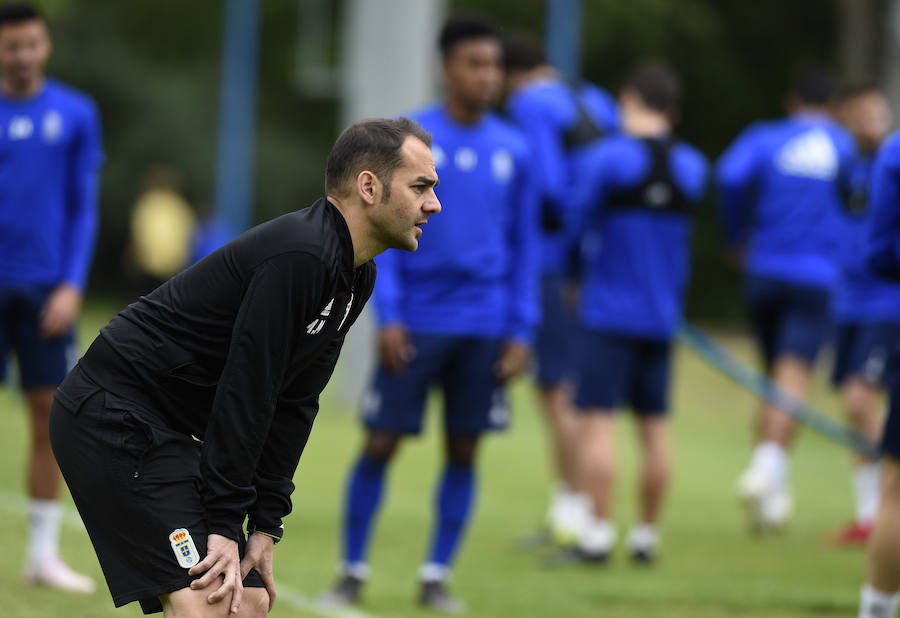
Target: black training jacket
236, 349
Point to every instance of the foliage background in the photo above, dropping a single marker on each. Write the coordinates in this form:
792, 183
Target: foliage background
153, 69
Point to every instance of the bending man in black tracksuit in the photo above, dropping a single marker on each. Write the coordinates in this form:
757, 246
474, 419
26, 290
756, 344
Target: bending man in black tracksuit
189, 413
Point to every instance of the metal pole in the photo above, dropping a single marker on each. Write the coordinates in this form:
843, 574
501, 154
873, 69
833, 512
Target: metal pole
237, 114
564, 37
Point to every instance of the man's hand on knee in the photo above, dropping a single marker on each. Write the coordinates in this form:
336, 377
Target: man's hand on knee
222, 560
259, 556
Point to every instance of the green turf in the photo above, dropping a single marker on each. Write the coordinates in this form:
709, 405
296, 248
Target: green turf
710, 566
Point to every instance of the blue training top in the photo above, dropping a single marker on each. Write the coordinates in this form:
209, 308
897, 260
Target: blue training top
476, 270
50, 153
789, 173
862, 297
632, 219
884, 201
559, 119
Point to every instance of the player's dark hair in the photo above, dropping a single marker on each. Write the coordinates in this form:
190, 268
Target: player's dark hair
465, 28
813, 86
372, 145
522, 51
857, 89
657, 84
19, 12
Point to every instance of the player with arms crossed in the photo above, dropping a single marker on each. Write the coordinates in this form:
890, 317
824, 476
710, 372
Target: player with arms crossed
50, 154
460, 315
781, 201
189, 413
633, 216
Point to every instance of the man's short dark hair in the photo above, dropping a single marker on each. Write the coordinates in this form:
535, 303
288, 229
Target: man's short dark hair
813, 86
858, 89
19, 12
372, 145
465, 28
657, 85
522, 51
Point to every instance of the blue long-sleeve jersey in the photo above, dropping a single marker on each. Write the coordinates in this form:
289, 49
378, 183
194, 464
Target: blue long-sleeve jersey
50, 153
551, 114
632, 221
476, 269
862, 297
884, 201
780, 192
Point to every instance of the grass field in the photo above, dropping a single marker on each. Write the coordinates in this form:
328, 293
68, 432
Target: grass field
710, 566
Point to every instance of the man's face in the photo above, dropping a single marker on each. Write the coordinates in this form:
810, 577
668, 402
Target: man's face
474, 73
868, 118
24, 50
412, 200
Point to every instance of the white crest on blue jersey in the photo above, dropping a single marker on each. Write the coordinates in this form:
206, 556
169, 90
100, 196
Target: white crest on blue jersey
440, 157
502, 165
20, 127
51, 126
465, 159
811, 155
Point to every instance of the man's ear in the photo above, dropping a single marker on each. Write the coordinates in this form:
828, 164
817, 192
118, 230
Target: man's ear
368, 186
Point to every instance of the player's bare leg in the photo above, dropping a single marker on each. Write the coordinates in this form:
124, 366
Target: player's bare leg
863, 403
596, 476
764, 487
44, 566
881, 595
187, 603
567, 506
654, 440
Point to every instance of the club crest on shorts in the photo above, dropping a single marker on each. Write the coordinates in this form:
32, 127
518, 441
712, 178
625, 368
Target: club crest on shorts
184, 548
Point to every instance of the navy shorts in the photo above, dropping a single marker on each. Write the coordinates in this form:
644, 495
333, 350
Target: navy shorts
890, 439
621, 370
863, 350
462, 367
788, 319
134, 482
556, 335
41, 361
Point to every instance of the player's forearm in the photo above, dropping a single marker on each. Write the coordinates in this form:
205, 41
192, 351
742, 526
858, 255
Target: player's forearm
81, 233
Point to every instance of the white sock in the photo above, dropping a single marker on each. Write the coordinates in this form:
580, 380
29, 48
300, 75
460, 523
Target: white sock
876, 604
359, 570
867, 488
44, 520
643, 537
557, 502
434, 572
598, 537
771, 459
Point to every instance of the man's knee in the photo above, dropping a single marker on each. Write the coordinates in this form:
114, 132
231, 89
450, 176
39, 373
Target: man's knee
254, 603
461, 449
381, 446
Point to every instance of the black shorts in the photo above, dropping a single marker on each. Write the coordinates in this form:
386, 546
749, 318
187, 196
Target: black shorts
134, 482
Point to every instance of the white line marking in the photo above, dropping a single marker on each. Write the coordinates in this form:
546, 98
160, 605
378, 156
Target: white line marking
18, 504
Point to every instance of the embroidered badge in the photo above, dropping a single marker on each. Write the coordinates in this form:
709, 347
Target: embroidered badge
184, 548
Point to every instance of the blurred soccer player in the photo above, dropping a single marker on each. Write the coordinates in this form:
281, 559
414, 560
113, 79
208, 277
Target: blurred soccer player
51, 154
633, 213
880, 596
460, 315
867, 308
781, 209
190, 411
558, 119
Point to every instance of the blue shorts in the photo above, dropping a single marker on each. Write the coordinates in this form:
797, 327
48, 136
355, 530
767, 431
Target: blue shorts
621, 370
863, 350
463, 368
890, 439
556, 335
788, 319
42, 362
